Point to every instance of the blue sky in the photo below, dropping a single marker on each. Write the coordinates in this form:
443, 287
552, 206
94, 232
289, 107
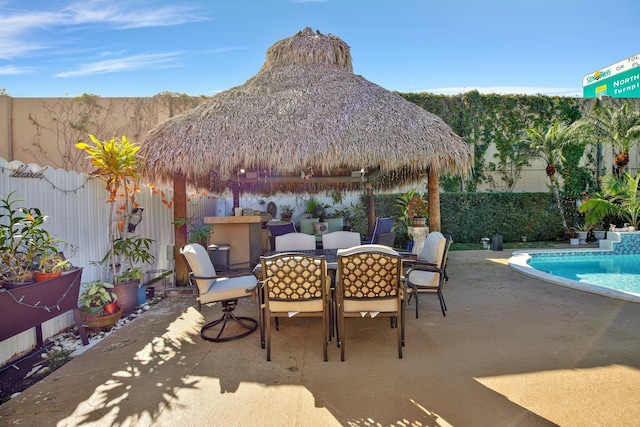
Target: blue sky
117, 48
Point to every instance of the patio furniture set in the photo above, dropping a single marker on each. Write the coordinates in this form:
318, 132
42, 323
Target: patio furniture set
343, 279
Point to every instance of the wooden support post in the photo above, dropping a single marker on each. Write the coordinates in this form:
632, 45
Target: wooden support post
433, 187
180, 232
371, 209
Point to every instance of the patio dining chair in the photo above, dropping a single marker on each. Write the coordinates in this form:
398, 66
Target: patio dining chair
427, 273
296, 242
340, 240
279, 230
369, 282
293, 285
213, 288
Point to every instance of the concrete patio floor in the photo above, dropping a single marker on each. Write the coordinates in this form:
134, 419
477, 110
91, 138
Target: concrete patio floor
512, 351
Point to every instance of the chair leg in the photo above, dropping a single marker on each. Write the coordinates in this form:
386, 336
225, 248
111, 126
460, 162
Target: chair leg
443, 305
227, 315
267, 324
415, 292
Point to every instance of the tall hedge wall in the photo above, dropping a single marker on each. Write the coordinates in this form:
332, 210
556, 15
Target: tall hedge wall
468, 217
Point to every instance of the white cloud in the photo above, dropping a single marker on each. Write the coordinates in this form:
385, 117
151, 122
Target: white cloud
135, 62
23, 32
12, 70
504, 90
122, 16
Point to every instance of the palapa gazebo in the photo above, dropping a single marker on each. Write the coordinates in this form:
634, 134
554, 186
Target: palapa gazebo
304, 123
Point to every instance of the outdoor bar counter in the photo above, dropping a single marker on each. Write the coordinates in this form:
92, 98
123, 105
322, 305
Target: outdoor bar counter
243, 233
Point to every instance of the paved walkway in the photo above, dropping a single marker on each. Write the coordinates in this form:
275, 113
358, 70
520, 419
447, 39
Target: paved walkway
512, 351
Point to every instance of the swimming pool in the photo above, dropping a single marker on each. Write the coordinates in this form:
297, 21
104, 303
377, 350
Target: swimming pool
595, 271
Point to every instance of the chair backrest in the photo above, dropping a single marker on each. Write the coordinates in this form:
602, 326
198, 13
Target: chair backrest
369, 272
278, 230
295, 242
433, 249
294, 277
200, 264
382, 225
386, 239
340, 240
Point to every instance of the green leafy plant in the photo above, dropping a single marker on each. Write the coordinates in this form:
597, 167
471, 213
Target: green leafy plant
197, 232
116, 163
53, 262
97, 294
23, 240
618, 198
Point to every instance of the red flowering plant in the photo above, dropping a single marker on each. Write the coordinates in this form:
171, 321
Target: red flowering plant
411, 205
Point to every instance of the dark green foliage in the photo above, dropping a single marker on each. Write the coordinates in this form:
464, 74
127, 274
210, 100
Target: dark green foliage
468, 217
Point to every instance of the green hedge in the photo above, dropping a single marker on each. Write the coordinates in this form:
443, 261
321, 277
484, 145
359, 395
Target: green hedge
468, 217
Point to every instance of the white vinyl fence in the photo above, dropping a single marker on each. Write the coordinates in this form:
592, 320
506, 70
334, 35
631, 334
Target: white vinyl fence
77, 213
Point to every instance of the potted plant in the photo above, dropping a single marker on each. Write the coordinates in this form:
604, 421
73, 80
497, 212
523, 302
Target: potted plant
95, 296
116, 163
583, 232
99, 310
286, 212
23, 240
50, 265
573, 237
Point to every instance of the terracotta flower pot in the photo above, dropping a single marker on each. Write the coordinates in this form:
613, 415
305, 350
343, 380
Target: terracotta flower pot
111, 308
41, 277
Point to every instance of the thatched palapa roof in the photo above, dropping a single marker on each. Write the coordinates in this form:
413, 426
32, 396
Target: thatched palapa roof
305, 121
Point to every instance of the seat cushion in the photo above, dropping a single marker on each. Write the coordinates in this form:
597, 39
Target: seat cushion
226, 288
374, 305
296, 306
423, 278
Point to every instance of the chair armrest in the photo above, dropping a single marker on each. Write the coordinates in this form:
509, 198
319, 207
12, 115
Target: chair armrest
415, 263
423, 266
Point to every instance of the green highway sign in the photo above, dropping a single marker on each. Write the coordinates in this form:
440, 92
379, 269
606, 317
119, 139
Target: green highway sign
620, 80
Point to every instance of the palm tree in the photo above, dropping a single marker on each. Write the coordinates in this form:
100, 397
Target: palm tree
619, 198
547, 145
619, 127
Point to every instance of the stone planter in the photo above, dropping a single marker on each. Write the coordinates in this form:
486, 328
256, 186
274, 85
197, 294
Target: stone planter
599, 234
574, 240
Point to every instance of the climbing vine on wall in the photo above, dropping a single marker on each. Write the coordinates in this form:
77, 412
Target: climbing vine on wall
499, 119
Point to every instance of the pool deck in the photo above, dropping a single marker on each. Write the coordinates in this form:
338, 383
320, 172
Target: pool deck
512, 351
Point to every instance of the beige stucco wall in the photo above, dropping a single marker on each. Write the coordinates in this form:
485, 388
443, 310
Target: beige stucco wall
45, 130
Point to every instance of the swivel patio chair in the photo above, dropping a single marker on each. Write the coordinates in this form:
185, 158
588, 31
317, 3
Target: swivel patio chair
296, 242
213, 288
293, 285
369, 282
427, 273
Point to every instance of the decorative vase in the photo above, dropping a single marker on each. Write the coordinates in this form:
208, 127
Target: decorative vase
419, 221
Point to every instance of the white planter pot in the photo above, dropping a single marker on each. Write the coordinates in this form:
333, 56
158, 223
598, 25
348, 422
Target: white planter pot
574, 241
582, 235
599, 234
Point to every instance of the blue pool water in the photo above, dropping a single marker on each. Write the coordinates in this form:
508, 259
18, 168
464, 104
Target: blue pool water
618, 272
